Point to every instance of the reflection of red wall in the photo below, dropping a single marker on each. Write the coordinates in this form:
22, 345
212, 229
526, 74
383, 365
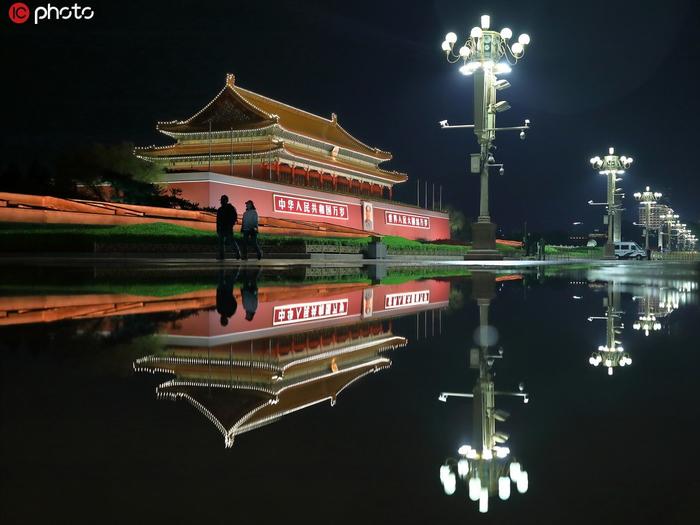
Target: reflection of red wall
208, 192
207, 323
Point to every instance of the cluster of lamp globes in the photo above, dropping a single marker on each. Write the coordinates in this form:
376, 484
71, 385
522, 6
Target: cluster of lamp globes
610, 358
647, 323
468, 470
485, 48
611, 164
647, 196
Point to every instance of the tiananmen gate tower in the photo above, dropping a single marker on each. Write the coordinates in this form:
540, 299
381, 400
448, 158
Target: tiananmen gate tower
291, 163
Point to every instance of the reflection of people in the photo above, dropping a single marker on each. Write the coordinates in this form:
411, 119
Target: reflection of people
249, 228
226, 217
226, 303
249, 293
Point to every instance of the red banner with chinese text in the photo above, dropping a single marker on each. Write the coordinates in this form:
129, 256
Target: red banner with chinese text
406, 219
310, 207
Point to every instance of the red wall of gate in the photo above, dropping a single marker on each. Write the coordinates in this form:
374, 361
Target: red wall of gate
389, 218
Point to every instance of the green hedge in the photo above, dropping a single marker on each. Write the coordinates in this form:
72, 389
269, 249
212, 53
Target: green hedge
17, 237
575, 251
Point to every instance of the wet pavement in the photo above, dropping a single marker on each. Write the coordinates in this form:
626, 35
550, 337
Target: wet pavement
189, 393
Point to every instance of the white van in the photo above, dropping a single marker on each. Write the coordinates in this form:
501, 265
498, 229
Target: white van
629, 250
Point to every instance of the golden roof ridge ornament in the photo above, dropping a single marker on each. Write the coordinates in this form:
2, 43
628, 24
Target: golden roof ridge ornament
230, 80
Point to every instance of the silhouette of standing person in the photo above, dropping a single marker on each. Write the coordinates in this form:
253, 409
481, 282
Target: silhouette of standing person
249, 228
226, 304
226, 218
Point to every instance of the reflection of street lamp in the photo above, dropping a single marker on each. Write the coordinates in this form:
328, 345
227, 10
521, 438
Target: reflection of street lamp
612, 165
611, 354
647, 198
646, 323
652, 308
486, 466
485, 54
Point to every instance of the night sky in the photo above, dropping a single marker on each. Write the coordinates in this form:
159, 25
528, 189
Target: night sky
597, 73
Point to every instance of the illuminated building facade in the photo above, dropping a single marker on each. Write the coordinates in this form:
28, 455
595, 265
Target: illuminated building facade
291, 163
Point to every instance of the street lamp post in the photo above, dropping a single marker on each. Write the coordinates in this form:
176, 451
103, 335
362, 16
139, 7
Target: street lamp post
669, 219
612, 165
485, 54
647, 198
673, 231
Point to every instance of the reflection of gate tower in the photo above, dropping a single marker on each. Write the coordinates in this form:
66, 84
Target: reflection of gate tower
611, 354
486, 465
244, 385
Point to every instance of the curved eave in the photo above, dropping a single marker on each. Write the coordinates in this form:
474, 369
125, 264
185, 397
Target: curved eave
355, 372
159, 154
331, 164
359, 146
378, 153
265, 119
227, 433
203, 135
268, 111
218, 157
388, 343
172, 129
190, 371
179, 150
174, 389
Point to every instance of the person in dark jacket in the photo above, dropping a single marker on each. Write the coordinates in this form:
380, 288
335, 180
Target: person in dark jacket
249, 229
226, 218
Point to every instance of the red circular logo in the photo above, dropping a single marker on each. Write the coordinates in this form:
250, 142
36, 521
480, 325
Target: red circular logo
19, 12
